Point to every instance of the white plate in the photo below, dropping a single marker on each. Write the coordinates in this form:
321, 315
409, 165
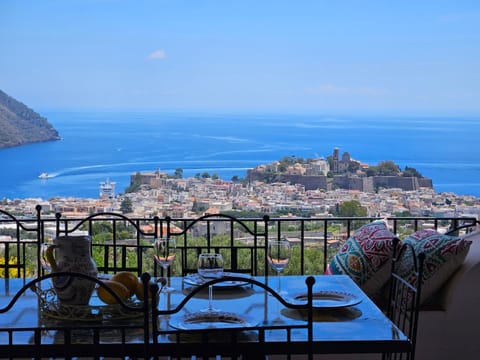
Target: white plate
196, 280
210, 320
326, 299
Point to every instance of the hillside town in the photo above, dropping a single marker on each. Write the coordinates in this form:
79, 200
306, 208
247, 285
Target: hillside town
161, 194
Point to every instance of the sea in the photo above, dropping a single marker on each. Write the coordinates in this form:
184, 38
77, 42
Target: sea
97, 146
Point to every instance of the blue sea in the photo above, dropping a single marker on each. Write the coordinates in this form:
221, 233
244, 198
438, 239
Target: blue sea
97, 146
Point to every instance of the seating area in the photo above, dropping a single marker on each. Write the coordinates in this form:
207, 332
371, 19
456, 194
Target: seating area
448, 314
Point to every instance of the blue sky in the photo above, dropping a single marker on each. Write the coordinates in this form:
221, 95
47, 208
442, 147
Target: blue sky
345, 56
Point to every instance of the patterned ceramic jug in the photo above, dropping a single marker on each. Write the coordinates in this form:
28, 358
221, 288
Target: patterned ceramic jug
72, 253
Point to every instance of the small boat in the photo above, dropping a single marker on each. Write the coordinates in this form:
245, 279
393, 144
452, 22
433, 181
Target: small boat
43, 175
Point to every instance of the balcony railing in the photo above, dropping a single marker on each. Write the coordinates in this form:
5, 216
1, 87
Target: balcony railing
120, 243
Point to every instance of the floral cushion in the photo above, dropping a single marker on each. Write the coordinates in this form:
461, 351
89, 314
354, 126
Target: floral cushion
366, 257
443, 256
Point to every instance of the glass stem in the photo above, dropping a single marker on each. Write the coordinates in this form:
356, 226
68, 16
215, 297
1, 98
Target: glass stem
278, 279
210, 297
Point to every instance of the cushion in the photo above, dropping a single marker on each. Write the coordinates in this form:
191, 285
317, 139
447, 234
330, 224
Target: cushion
443, 256
366, 257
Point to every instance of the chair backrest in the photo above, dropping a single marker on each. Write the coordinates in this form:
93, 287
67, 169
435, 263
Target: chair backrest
227, 342
241, 242
71, 328
405, 293
19, 256
119, 243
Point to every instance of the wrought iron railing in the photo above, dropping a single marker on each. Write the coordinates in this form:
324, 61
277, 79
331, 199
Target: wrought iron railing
120, 243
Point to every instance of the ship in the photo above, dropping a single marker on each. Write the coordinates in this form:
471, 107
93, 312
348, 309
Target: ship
43, 175
107, 189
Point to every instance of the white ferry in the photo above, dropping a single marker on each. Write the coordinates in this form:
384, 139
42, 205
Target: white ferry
107, 189
43, 175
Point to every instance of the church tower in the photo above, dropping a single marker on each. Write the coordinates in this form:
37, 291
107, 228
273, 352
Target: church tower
336, 159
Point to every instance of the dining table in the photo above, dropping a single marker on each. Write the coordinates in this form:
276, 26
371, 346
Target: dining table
344, 320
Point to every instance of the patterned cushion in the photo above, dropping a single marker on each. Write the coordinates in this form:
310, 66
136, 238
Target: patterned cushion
443, 255
366, 257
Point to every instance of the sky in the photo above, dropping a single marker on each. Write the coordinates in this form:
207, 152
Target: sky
344, 56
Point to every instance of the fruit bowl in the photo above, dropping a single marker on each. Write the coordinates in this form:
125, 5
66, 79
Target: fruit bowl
96, 310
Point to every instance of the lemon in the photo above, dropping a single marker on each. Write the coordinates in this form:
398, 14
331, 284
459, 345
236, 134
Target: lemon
117, 287
139, 291
128, 279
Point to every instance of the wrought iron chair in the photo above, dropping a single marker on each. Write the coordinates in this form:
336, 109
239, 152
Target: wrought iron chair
128, 245
72, 330
226, 342
16, 253
240, 255
404, 295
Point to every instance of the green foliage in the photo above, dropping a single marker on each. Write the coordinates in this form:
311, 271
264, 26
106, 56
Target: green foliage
178, 173
135, 185
21, 125
126, 205
197, 208
388, 168
371, 171
411, 172
351, 208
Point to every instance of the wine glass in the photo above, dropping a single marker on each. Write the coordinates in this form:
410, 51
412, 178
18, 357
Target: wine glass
164, 255
210, 266
278, 255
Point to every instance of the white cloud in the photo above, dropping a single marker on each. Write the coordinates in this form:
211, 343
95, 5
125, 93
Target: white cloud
157, 55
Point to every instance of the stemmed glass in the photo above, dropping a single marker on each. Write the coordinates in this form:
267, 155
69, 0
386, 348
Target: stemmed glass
210, 266
278, 255
164, 255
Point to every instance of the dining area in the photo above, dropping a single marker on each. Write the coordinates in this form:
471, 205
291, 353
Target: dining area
73, 309
230, 316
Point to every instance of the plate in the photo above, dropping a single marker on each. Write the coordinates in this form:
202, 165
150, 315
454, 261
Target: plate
327, 299
196, 280
211, 320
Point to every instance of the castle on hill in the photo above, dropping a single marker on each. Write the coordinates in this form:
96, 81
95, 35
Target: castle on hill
337, 172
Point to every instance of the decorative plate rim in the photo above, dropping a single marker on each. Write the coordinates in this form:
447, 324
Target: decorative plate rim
233, 321
333, 299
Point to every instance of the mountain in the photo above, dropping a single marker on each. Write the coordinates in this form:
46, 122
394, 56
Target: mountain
21, 125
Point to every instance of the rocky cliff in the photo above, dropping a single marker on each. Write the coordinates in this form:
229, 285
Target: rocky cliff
21, 125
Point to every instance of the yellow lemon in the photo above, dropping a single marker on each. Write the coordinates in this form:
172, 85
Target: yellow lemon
128, 279
139, 291
117, 287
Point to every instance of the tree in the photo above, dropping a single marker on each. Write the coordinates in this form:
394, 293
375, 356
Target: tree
371, 171
197, 176
235, 178
205, 175
388, 168
411, 172
135, 184
178, 173
351, 208
126, 205
215, 176
198, 208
